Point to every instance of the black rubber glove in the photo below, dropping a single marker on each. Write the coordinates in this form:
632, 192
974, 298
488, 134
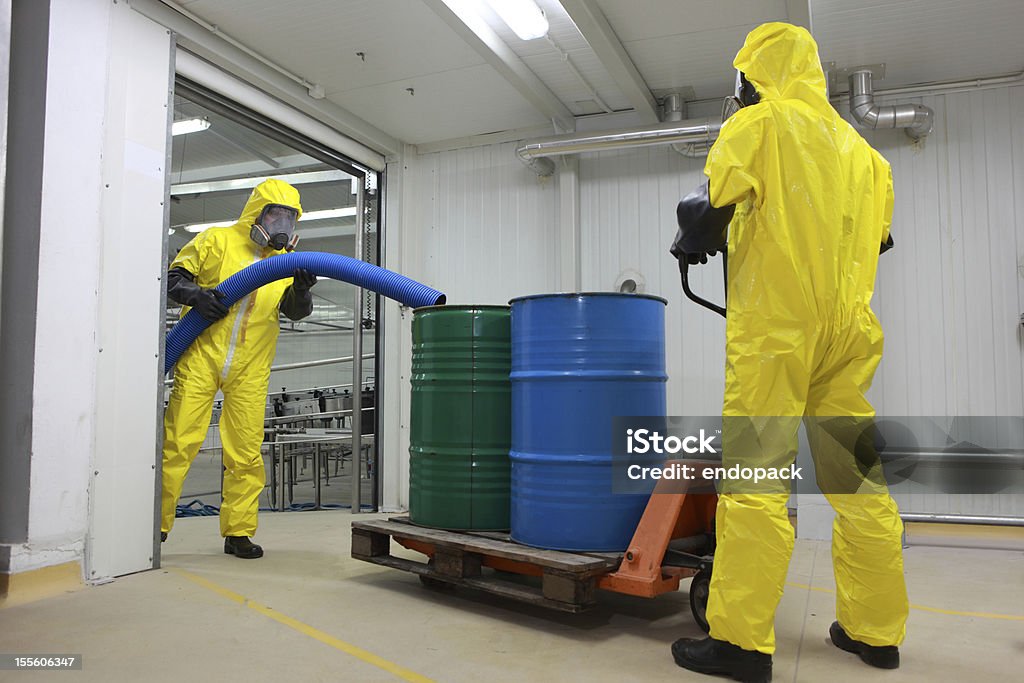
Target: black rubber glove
699, 258
886, 245
297, 301
182, 289
702, 227
303, 280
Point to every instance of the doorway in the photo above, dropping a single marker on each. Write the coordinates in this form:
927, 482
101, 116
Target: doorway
219, 152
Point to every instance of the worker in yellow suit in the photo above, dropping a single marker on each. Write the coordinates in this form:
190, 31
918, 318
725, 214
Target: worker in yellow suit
232, 355
808, 205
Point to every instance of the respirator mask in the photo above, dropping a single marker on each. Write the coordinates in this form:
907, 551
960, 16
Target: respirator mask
744, 96
276, 227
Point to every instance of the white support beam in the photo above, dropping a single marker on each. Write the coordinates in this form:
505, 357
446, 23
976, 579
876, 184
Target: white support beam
596, 30
799, 13
482, 38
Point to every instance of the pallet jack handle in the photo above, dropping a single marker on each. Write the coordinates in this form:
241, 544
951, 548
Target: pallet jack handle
684, 276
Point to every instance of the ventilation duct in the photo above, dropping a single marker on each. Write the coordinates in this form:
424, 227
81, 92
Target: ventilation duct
695, 137
537, 154
916, 119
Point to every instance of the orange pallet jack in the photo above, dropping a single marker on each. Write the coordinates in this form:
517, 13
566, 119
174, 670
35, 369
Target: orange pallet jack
674, 540
651, 566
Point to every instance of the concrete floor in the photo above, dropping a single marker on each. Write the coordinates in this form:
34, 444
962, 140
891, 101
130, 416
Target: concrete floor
307, 612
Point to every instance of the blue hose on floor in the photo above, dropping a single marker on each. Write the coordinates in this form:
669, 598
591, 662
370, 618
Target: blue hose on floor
335, 266
199, 509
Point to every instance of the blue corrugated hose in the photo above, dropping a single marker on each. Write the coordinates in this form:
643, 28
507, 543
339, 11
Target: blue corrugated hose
199, 509
335, 266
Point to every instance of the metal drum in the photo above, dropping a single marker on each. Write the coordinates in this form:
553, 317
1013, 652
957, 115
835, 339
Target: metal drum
460, 422
579, 360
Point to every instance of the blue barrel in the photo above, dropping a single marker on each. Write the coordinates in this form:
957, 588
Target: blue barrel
578, 361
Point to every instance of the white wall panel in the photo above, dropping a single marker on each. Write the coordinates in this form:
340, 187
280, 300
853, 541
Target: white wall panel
482, 225
627, 210
476, 224
950, 298
949, 295
128, 324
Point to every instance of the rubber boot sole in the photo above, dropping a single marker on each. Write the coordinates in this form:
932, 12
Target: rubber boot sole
228, 550
887, 657
737, 672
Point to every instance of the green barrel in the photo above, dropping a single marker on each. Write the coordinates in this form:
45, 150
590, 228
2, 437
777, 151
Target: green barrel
460, 418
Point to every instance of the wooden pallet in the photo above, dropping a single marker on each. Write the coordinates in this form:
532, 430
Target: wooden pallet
568, 581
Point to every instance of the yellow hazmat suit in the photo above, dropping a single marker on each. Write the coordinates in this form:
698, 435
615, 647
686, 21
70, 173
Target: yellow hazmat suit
813, 205
234, 355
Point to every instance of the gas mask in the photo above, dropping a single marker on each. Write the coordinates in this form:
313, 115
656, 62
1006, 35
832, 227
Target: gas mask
744, 96
275, 227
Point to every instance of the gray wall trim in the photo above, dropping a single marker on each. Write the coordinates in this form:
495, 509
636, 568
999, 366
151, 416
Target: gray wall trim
20, 269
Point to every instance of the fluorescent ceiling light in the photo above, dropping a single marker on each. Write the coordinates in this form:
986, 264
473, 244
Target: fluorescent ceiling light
249, 183
308, 216
199, 227
328, 213
522, 16
189, 126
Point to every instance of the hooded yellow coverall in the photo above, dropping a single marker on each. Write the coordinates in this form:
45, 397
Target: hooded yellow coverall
813, 204
233, 355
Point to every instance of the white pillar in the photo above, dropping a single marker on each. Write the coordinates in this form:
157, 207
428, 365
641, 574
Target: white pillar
72, 187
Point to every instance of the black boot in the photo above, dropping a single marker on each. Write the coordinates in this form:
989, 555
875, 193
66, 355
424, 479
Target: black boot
163, 536
718, 657
241, 546
880, 656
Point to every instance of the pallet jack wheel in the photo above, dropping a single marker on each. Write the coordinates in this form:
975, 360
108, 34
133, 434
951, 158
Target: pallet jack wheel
700, 589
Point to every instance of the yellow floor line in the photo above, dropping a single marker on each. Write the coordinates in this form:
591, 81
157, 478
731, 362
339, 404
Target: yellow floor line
305, 629
924, 608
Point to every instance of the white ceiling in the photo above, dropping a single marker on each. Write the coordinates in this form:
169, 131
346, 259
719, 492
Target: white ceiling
674, 44
922, 41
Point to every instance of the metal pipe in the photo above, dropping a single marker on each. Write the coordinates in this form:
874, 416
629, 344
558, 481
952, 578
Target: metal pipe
674, 107
279, 457
967, 84
273, 472
917, 119
961, 519
357, 352
952, 457
311, 389
315, 363
301, 417
316, 466
537, 154
305, 364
